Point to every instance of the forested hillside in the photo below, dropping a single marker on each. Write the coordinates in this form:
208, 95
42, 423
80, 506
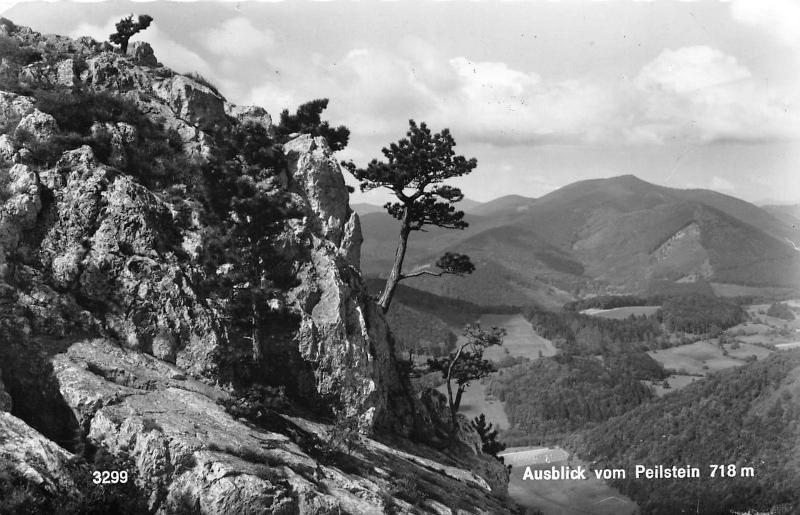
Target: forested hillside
578, 334
551, 397
747, 416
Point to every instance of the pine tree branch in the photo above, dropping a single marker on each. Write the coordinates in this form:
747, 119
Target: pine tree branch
421, 272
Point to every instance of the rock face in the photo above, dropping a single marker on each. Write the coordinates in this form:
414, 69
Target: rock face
191, 101
188, 453
142, 53
111, 242
335, 331
34, 460
109, 347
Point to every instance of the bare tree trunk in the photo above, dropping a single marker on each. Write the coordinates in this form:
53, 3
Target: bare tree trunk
454, 405
255, 333
457, 403
453, 409
397, 268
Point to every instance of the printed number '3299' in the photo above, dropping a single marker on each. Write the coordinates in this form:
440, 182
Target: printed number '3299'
109, 477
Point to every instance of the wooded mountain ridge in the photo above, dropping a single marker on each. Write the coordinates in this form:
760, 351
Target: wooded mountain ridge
617, 235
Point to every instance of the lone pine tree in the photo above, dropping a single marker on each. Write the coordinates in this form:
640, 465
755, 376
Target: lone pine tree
466, 364
126, 28
308, 119
415, 169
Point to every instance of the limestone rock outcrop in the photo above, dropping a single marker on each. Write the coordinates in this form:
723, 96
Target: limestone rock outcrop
109, 347
187, 452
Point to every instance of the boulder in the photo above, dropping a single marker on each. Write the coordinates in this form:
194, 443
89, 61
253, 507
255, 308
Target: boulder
41, 126
192, 101
6, 148
250, 114
13, 108
66, 73
142, 53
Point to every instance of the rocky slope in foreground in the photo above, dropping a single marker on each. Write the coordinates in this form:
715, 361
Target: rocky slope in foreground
118, 348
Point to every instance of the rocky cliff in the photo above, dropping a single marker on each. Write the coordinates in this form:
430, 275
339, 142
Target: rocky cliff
132, 338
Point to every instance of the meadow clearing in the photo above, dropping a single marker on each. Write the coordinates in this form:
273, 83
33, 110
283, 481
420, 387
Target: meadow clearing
520, 341
706, 356
623, 312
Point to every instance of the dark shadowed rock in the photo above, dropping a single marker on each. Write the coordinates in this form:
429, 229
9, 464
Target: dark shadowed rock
5, 398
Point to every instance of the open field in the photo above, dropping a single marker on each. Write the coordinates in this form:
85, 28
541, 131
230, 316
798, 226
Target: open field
675, 381
764, 329
623, 312
746, 350
521, 340
705, 356
567, 497
734, 290
757, 312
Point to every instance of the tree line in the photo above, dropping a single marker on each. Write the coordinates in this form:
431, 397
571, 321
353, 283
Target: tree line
549, 398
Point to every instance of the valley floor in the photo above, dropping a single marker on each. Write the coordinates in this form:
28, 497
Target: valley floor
686, 364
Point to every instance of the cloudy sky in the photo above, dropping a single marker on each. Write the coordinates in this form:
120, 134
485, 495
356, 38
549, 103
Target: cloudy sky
683, 94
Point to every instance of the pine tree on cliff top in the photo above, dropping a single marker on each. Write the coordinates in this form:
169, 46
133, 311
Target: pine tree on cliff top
308, 120
415, 169
126, 28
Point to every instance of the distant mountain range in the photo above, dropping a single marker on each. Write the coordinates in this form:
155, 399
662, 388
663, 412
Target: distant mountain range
788, 213
596, 236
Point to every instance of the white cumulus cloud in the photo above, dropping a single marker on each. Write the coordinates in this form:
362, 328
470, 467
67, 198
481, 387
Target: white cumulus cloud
779, 18
700, 94
693, 94
237, 37
690, 69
